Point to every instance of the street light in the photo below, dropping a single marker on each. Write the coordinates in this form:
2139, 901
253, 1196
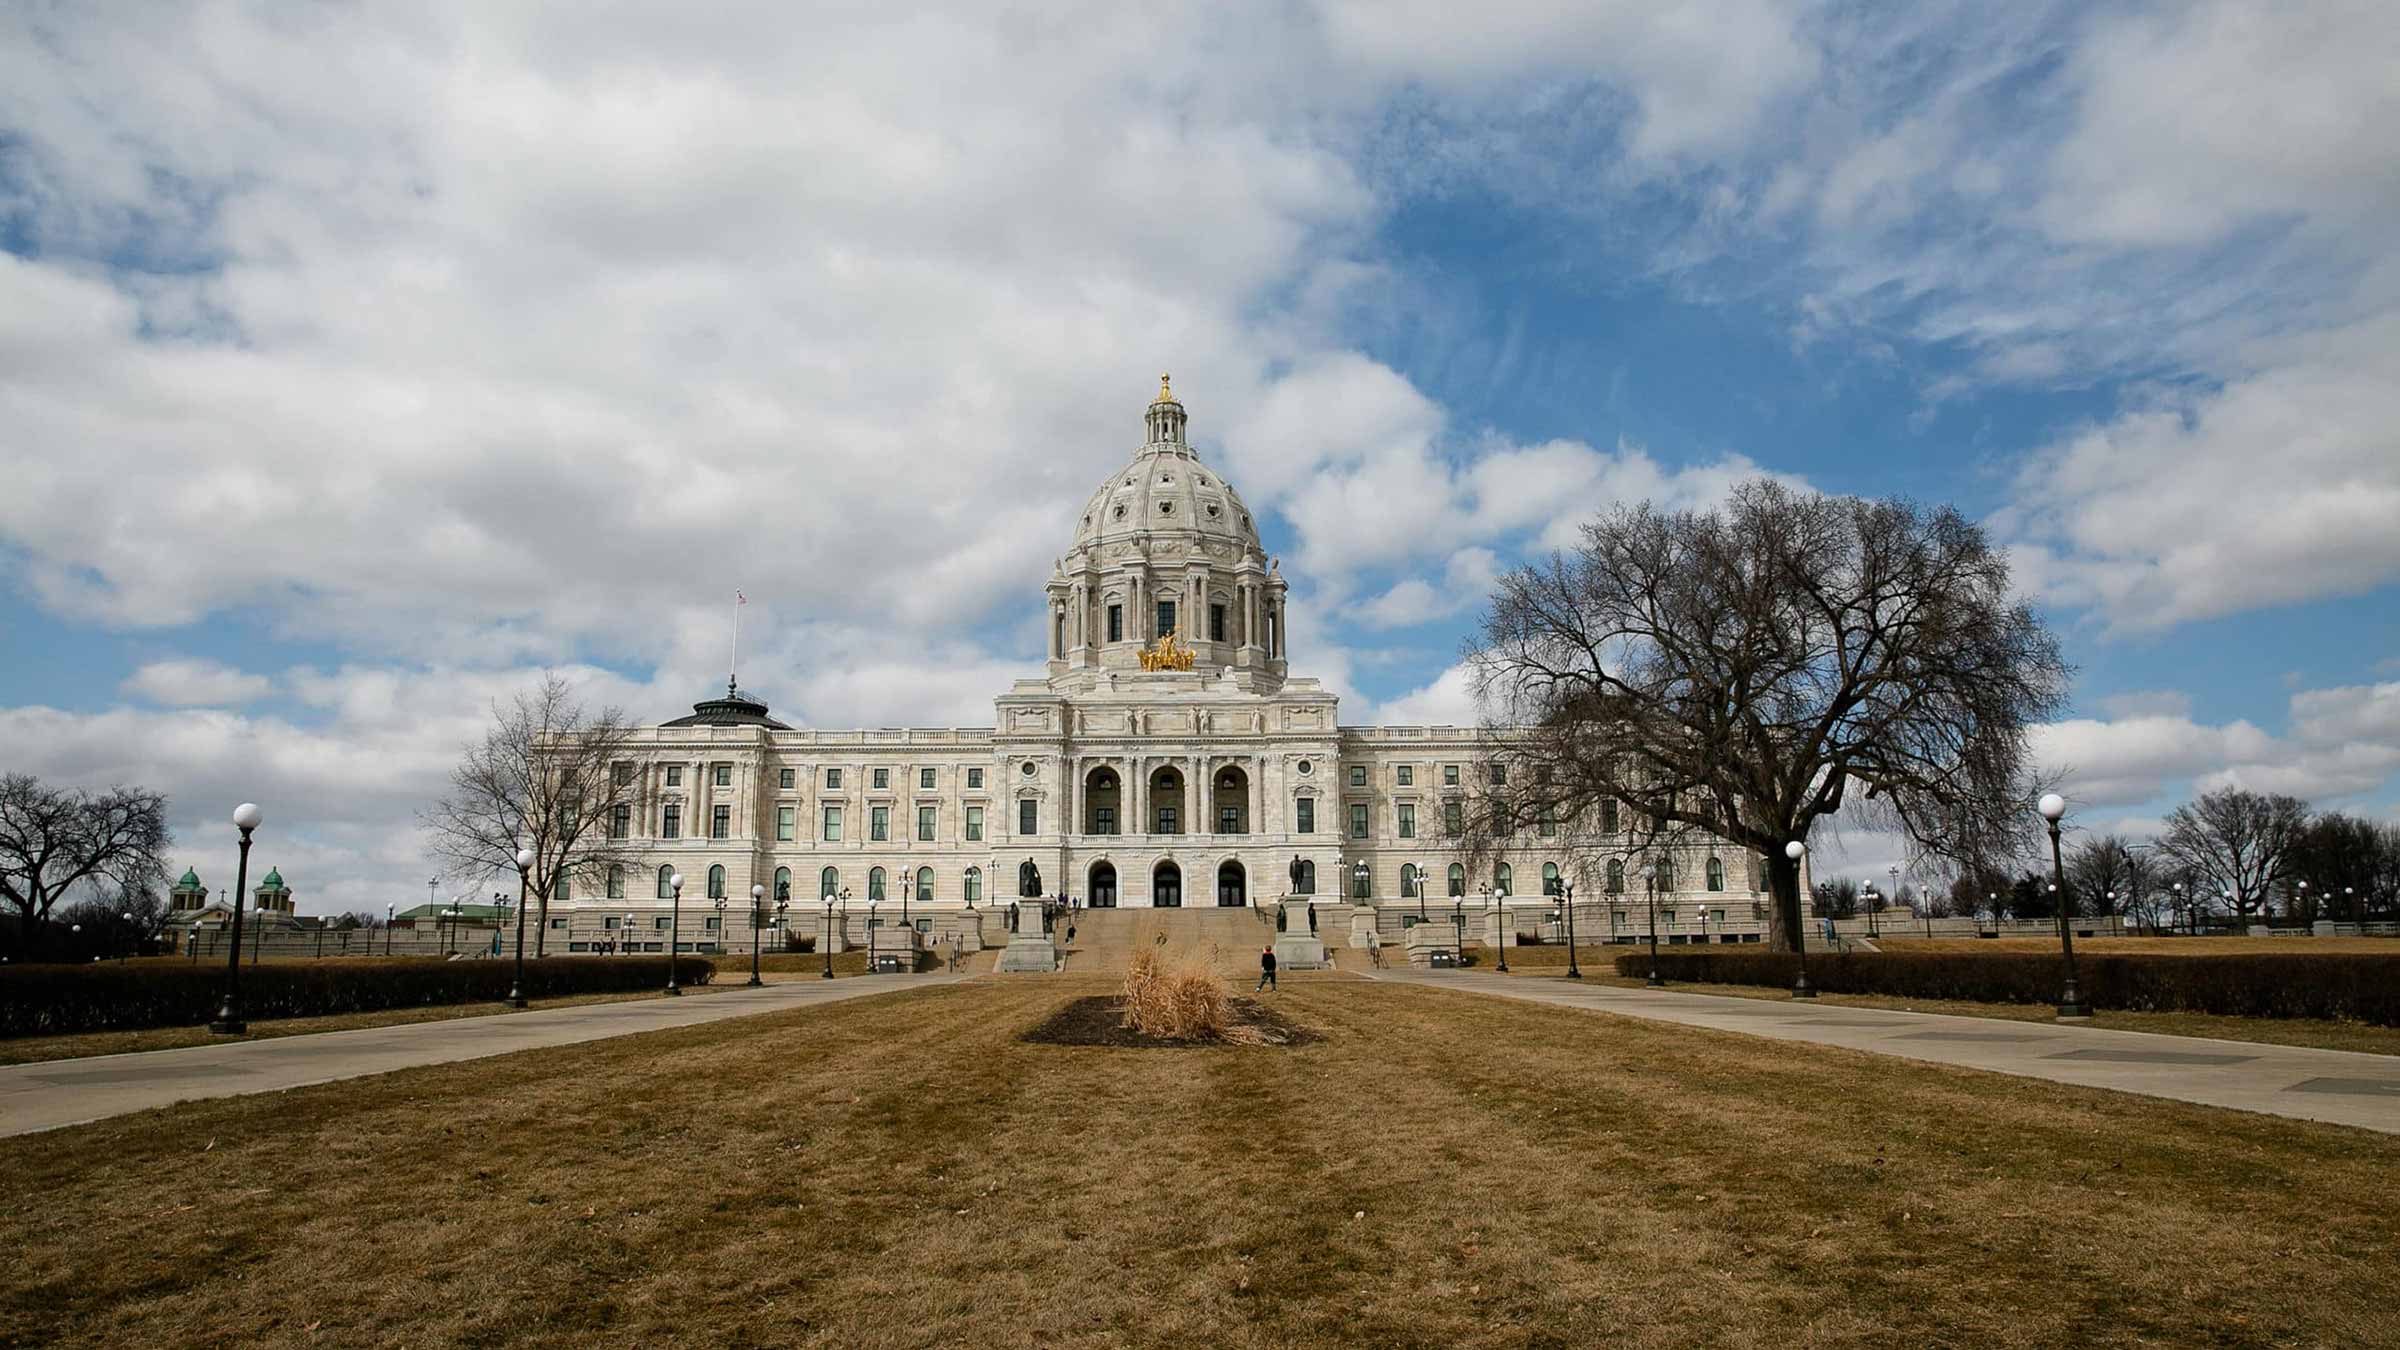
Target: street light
246, 817
674, 928
389, 910
1567, 891
1358, 886
1650, 885
2180, 903
1795, 851
1491, 901
127, 918
2071, 1006
516, 982
758, 910
1894, 872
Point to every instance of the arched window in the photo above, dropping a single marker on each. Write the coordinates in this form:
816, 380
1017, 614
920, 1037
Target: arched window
1616, 876
1504, 879
1550, 880
666, 888
874, 884
616, 882
1361, 883
829, 883
1458, 879
1666, 874
974, 885
716, 882
1408, 881
1307, 884
783, 885
925, 885
1716, 874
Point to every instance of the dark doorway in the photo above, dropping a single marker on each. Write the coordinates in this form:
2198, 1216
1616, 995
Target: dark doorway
1166, 886
1103, 892
1233, 886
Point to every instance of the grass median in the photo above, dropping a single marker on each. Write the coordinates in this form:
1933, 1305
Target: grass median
1438, 1170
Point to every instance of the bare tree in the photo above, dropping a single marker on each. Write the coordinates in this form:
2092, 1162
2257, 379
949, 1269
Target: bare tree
1741, 671
2237, 842
549, 775
53, 840
2100, 875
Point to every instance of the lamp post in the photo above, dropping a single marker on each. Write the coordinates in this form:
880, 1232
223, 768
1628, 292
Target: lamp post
389, 910
1491, 901
1567, 894
720, 923
2350, 902
908, 883
2071, 1006
516, 982
127, 919
2299, 905
246, 817
674, 927
1650, 886
2180, 903
758, 913
1893, 872
1795, 851
827, 941
1358, 885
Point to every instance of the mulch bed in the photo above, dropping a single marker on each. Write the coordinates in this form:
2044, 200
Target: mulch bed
1100, 1020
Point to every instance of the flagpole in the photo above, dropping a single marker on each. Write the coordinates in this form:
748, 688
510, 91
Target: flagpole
733, 658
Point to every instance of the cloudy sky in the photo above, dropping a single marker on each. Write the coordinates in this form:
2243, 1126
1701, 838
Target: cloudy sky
356, 363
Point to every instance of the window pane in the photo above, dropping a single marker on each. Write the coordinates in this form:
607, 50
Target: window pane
674, 775
833, 824
1454, 819
1358, 775
1358, 822
879, 823
974, 823
724, 775
1116, 623
1408, 821
670, 822
1305, 821
1408, 775
1166, 616
1025, 815
1216, 623
974, 778
925, 778
925, 823
1449, 775
784, 817
720, 822
883, 778
833, 778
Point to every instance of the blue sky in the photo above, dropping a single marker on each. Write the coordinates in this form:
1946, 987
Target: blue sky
355, 366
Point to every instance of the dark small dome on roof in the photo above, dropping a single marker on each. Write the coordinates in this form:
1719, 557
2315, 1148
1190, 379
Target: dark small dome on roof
734, 710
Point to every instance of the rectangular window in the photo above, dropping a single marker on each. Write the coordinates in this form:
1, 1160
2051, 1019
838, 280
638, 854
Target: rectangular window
879, 824
1408, 775
712, 924
620, 820
1166, 820
1166, 616
1229, 820
1454, 819
833, 825
1408, 820
1608, 816
833, 780
1216, 623
1499, 774
1026, 818
1116, 623
974, 823
674, 775
925, 824
670, 821
1549, 822
785, 819
720, 823
1305, 816
1104, 820
1358, 820
974, 778
609, 923
620, 774
724, 775
1358, 775
659, 923
925, 779
616, 883
883, 779
787, 779
1449, 775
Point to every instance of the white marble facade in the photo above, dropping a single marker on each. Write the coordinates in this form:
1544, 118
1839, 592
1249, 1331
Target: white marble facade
1118, 785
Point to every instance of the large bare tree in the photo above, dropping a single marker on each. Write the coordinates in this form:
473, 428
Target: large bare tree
549, 775
53, 840
2237, 842
1748, 670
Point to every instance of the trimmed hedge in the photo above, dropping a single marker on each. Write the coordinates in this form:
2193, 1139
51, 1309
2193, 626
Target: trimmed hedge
49, 1000
2336, 986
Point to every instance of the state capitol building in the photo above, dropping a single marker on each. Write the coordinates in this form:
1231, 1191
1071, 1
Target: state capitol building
1166, 757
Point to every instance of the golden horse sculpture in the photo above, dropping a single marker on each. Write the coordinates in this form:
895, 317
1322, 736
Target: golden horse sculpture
1166, 654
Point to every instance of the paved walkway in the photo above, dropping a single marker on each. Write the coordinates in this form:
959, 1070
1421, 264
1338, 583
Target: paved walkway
61, 1092
2344, 1087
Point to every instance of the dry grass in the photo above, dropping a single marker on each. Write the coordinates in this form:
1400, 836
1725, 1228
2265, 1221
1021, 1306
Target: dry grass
1185, 1001
1443, 1170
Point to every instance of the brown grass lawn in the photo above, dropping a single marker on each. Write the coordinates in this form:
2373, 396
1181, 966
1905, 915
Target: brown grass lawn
2317, 1033
1442, 1170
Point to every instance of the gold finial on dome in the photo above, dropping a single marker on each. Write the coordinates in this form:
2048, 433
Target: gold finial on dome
1165, 395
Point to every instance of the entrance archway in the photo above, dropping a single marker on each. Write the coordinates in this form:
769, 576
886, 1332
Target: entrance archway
1233, 885
1102, 892
1102, 802
1166, 886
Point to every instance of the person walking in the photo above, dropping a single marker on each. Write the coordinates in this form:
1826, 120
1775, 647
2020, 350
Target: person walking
1375, 951
1070, 932
1266, 970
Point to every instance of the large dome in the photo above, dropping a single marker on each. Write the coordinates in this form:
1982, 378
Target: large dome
1165, 494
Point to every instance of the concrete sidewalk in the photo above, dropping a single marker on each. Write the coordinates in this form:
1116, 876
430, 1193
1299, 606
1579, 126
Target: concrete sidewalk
61, 1092
2343, 1087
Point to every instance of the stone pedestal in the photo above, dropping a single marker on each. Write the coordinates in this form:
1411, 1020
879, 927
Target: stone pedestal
1431, 946
1031, 949
1497, 929
1296, 948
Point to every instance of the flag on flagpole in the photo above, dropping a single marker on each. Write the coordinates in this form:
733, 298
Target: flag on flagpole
740, 599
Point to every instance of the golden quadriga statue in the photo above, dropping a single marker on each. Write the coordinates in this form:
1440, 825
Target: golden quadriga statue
1166, 654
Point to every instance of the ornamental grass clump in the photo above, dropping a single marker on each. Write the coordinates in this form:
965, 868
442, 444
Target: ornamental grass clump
1185, 1002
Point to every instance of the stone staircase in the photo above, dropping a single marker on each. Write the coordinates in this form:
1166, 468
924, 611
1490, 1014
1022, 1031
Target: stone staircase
1229, 940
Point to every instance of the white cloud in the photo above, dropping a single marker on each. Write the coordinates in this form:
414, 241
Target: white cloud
2341, 742
1448, 701
179, 684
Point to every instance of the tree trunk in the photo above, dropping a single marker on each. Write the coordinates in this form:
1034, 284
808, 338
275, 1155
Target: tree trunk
1784, 912
541, 932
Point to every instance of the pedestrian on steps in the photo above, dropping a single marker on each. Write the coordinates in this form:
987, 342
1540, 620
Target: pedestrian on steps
1070, 934
1266, 970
